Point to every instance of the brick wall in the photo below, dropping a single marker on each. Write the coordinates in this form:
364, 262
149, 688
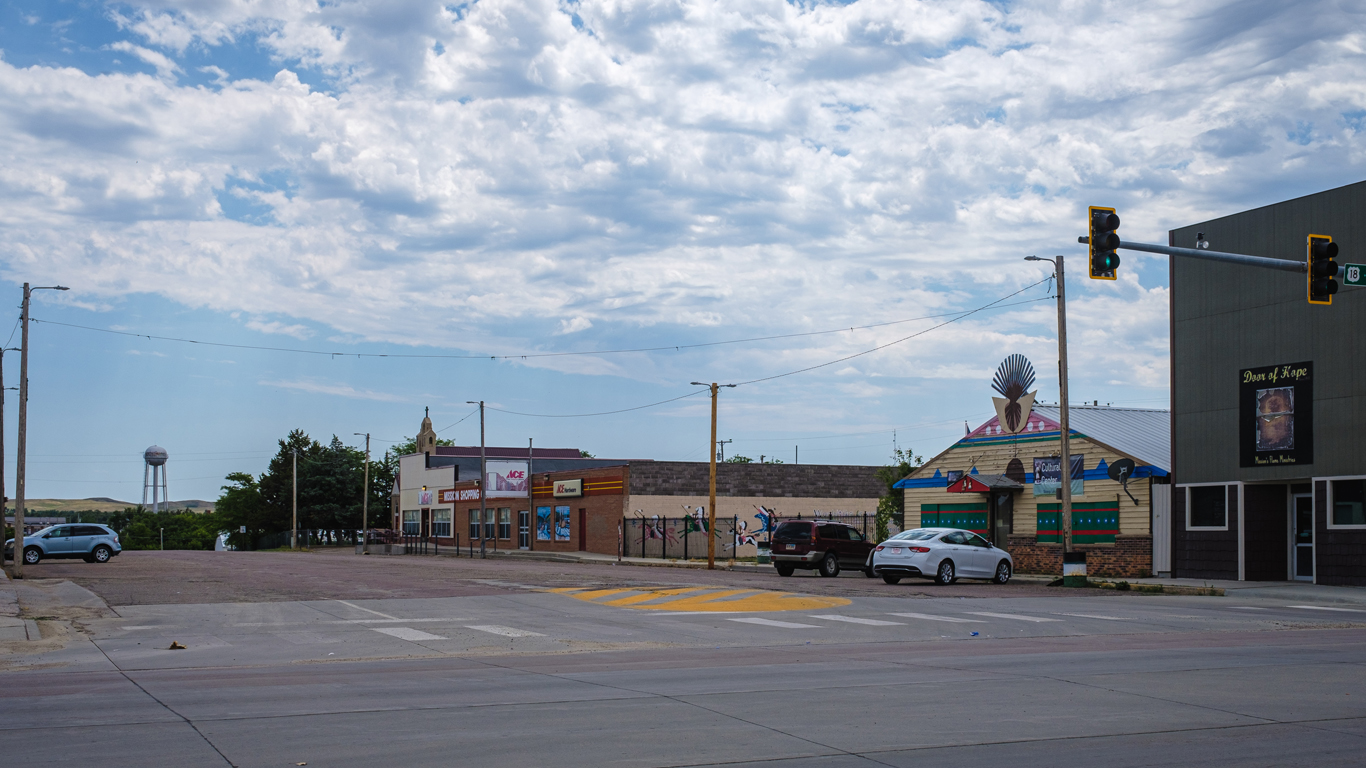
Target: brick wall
691, 478
1129, 557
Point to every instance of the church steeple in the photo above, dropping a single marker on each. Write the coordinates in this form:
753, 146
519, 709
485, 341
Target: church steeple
426, 437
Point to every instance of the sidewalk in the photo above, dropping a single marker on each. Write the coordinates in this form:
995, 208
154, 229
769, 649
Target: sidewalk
1276, 590
11, 626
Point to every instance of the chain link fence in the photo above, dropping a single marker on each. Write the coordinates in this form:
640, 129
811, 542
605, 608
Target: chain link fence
684, 537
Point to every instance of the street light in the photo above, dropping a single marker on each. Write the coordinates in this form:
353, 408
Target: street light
20, 459
365, 499
711, 497
1065, 460
483, 475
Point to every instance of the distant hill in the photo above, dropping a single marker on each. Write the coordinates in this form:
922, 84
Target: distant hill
98, 504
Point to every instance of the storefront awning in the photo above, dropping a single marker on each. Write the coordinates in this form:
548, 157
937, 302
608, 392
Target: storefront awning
984, 484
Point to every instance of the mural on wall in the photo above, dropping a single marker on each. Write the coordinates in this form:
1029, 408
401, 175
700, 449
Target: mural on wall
742, 534
766, 519
543, 524
1013, 379
561, 523
1276, 415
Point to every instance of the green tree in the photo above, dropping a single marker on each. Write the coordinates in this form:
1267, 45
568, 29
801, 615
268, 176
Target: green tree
739, 460
890, 506
139, 528
240, 505
408, 445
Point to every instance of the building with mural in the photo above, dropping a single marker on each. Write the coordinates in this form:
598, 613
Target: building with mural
554, 499
1269, 399
1002, 480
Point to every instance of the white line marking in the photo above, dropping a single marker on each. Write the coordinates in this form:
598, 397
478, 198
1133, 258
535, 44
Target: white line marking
691, 613
856, 620
406, 633
772, 623
1247, 608
1326, 608
495, 629
367, 610
1014, 616
339, 621
144, 626
930, 617
1098, 616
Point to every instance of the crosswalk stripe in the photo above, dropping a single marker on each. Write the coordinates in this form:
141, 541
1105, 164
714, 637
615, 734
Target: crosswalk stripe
1014, 616
406, 633
1326, 608
930, 617
772, 623
1098, 616
856, 620
495, 629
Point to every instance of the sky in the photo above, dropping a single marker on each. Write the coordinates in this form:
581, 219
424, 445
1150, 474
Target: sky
372, 208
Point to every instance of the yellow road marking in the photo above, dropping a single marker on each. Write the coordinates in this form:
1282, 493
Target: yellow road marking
698, 599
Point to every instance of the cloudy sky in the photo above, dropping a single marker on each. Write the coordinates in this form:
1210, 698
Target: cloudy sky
470, 183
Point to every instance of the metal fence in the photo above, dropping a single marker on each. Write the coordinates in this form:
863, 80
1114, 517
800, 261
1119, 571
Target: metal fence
684, 537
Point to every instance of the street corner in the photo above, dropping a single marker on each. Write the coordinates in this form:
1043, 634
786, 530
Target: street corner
701, 599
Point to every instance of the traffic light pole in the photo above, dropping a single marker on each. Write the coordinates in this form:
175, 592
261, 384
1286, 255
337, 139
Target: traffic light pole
1284, 265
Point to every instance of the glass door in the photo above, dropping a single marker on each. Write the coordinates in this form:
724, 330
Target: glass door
1304, 537
523, 529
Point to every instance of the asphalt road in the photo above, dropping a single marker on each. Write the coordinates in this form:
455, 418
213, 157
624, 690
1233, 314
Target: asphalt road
677, 668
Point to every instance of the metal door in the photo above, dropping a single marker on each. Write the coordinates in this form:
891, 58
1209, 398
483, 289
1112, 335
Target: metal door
1303, 521
1002, 518
524, 529
1162, 528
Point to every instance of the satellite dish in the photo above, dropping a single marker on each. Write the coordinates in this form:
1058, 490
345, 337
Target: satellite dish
1121, 470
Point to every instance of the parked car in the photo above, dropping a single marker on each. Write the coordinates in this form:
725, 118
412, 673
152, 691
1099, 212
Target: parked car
942, 554
92, 543
826, 546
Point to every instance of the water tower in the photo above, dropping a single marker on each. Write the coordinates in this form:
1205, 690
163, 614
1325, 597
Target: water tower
154, 467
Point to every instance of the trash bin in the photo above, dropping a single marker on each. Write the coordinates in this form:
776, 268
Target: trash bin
763, 558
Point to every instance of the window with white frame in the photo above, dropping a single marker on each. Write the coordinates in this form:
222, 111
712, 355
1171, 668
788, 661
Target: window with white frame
474, 524
489, 522
412, 521
441, 523
505, 522
1206, 506
1348, 504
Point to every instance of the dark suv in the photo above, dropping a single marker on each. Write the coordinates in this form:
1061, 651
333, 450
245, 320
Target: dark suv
824, 545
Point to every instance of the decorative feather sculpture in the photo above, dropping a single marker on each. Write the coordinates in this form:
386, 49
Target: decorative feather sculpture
1013, 379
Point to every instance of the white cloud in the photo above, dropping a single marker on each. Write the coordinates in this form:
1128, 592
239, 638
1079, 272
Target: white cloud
491, 176
336, 390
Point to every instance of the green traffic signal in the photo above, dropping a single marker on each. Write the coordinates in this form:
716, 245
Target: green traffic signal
1103, 240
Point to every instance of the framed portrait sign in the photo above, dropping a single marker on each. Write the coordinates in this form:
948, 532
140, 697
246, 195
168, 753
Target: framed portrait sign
1276, 415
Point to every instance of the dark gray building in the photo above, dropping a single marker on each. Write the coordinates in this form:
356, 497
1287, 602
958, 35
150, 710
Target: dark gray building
1269, 401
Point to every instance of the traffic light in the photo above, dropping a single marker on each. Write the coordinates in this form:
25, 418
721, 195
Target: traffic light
1103, 241
1322, 269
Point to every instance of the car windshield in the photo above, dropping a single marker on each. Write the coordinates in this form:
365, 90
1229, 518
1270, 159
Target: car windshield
792, 532
919, 534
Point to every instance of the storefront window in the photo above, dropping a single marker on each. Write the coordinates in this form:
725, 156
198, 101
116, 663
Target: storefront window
1347, 502
543, 524
474, 524
412, 522
1207, 507
505, 523
441, 523
561, 523
488, 522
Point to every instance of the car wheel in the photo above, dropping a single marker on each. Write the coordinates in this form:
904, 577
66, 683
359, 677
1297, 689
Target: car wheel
891, 578
101, 554
868, 571
784, 569
32, 555
1002, 572
830, 566
945, 574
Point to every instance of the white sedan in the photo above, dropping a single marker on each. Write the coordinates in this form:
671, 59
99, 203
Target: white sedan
942, 554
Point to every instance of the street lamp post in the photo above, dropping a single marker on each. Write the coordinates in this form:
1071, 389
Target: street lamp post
294, 506
365, 499
483, 476
1065, 459
20, 459
711, 494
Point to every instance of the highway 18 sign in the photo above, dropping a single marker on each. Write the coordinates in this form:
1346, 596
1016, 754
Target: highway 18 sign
1355, 274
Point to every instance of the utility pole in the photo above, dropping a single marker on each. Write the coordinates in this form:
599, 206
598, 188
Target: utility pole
531, 497
483, 476
4, 500
1065, 457
711, 495
294, 514
365, 500
20, 459
721, 449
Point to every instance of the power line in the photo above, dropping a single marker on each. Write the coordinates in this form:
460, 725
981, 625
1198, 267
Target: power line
523, 356
600, 413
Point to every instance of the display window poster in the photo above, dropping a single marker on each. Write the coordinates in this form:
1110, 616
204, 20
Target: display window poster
543, 523
424, 498
1276, 415
1048, 475
506, 479
561, 523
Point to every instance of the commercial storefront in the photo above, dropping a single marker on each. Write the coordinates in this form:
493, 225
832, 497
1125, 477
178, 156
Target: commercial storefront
1269, 401
1002, 481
